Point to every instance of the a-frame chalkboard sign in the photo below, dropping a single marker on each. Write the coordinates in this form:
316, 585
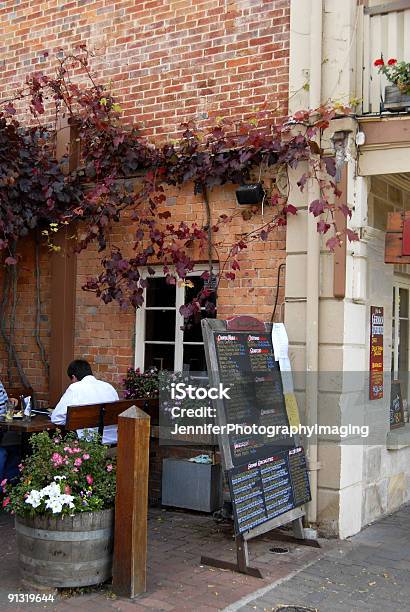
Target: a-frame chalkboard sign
267, 476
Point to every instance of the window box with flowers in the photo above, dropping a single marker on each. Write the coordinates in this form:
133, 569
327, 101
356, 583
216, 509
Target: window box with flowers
396, 95
64, 512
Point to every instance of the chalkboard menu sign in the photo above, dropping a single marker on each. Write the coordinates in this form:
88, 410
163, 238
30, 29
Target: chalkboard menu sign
269, 487
247, 366
267, 473
396, 406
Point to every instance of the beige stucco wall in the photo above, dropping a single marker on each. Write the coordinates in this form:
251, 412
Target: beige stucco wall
356, 482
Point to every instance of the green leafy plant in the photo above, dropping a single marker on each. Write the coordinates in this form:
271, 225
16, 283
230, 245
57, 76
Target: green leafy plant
63, 475
396, 72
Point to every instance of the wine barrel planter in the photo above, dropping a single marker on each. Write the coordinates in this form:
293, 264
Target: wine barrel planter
69, 551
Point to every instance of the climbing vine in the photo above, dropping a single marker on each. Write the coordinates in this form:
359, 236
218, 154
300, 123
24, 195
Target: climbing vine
120, 171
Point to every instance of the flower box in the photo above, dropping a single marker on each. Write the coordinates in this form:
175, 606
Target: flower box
395, 100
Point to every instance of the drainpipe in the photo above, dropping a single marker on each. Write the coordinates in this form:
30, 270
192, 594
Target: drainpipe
313, 268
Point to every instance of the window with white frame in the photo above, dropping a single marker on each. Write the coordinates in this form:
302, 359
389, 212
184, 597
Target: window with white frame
160, 339
400, 333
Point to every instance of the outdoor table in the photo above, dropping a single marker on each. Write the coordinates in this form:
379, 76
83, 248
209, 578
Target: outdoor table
39, 422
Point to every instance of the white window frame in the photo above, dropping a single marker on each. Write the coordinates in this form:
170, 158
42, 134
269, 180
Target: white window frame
399, 283
139, 354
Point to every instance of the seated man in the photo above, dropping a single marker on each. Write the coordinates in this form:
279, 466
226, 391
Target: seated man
85, 389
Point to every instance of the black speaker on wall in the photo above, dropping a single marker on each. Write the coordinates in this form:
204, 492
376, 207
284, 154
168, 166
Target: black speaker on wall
250, 194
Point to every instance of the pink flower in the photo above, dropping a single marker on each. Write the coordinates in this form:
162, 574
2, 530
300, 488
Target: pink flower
78, 462
109, 467
86, 456
21, 467
67, 490
6, 502
3, 482
57, 459
76, 450
392, 61
89, 479
74, 470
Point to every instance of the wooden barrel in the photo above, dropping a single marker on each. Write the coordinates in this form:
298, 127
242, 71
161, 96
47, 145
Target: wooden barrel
69, 551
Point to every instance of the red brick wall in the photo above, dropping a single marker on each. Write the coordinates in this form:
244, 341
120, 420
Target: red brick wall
168, 62
25, 320
106, 337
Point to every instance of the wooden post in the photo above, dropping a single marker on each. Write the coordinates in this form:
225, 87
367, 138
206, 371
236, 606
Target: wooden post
63, 277
131, 504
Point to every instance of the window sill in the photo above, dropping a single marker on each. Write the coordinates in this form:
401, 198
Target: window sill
398, 438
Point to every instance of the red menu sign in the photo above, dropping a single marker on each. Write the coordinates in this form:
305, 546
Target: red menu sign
376, 352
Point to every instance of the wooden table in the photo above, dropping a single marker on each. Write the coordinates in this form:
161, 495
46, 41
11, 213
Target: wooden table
39, 422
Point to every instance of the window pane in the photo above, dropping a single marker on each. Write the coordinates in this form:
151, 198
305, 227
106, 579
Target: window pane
194, 358
159, 355
403, 346
403, 303
194, 331
160, 293
160, 325
192, 292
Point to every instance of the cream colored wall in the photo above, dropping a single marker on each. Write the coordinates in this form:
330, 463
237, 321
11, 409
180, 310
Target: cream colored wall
356, 483
341, 24
386, 473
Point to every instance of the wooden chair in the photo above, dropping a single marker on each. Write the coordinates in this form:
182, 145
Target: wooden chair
100, 415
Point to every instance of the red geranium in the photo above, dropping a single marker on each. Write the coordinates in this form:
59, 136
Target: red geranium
392, 61
379, 62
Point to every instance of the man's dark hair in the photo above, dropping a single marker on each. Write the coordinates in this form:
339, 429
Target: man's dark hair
79, 368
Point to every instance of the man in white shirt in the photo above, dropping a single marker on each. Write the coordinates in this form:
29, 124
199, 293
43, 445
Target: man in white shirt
85, 389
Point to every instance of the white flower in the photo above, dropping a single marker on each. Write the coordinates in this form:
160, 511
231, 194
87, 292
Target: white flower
59, 477
54, 499
54, 505
34, 498
51, 490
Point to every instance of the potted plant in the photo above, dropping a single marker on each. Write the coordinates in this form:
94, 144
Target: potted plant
397, 95
143, 386
64, 511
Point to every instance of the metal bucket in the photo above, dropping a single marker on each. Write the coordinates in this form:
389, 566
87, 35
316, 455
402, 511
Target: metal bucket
69, 551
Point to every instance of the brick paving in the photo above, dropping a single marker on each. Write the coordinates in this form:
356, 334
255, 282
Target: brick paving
176, 580
370, 571
367, 572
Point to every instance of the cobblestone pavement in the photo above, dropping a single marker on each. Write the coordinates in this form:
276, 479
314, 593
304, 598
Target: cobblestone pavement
368, 572
176, 580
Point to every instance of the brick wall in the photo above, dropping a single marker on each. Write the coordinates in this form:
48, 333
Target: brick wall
25, 319
168, 61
